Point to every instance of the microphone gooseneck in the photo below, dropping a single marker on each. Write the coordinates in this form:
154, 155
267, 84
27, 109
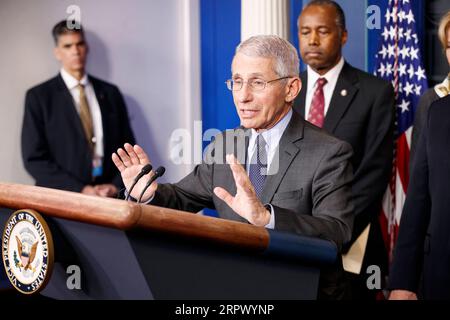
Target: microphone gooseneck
145, 169
158, 173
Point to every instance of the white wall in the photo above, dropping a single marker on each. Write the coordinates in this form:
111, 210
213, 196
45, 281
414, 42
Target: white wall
149, 48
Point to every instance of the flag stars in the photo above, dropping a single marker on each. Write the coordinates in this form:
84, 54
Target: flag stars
387, 16
392, 32
402, 15
408, 34
402, 69
382, 69
388, 69
404, 105
383, 52
391, 50
414, 53
410, 17
385, 34
404, 52
420, 73
418, 90
411, 71
394, 14
408, 89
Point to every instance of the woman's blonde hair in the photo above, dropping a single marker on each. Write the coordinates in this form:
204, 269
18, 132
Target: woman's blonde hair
444, 25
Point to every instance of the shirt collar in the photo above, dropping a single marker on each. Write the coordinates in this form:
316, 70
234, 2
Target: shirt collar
71, 82
273, 135
331, 75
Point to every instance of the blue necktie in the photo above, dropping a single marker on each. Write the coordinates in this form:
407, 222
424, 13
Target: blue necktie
258, 166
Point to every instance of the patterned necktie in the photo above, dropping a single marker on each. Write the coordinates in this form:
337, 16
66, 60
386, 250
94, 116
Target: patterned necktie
85, 116
317, 111
258, 166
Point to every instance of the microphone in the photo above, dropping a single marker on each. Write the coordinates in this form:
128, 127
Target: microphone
158, 173
145, 169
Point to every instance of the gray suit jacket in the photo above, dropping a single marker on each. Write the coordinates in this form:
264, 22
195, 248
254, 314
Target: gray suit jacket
310, 192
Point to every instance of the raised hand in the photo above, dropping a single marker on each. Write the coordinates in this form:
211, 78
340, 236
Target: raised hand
130, 161
245, 202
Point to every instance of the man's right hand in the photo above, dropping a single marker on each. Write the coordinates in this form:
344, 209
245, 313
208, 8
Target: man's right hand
402, 295
130, 160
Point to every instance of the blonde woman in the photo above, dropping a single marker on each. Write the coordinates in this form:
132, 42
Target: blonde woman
439, 91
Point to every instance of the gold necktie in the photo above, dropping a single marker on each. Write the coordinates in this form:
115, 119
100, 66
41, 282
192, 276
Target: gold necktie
85, 116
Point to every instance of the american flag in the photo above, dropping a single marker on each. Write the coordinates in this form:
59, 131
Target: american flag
399, 61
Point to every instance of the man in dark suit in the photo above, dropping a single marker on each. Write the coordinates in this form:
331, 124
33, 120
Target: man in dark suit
355, 107
421, 261
73, 122
294, 177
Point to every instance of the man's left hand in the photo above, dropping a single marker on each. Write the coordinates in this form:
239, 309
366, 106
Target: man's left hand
245, 202
106, 190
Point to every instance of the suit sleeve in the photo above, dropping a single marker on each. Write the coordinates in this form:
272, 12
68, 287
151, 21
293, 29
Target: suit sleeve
408, 256
126, 132
372, 175
332, 211
36, 152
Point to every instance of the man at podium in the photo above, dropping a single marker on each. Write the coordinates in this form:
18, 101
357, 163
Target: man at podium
275, 170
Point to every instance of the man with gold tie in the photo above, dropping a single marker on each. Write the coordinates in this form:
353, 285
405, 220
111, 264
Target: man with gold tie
73, 122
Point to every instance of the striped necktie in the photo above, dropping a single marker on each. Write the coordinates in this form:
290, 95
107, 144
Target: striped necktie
258, 166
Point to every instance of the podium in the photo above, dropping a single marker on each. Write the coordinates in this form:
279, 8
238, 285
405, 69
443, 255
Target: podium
125, 250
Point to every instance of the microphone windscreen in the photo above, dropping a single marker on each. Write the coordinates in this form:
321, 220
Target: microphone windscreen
160, 171
146, 169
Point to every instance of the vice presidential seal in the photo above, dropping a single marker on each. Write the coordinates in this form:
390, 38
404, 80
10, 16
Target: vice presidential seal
27, 251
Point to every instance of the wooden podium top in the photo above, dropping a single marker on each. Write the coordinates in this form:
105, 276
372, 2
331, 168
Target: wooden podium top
124, 215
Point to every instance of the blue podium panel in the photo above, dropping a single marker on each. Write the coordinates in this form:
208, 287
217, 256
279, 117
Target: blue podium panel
186, 269
142, 264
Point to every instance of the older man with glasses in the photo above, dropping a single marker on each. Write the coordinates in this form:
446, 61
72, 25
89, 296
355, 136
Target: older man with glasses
275, 170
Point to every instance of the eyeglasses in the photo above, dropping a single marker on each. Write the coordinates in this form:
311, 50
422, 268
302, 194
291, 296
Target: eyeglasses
255, 83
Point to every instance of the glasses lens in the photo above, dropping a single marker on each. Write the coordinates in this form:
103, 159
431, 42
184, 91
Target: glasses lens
257, 84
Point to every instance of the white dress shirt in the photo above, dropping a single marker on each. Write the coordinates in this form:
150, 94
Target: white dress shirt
332, 78
94, 107
272, 138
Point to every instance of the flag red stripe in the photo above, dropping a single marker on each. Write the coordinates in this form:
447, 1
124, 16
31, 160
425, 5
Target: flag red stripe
403, 161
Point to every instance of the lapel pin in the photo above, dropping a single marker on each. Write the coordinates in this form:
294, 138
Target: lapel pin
343, 92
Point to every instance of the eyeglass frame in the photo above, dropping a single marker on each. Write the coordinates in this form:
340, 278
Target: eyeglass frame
230, 81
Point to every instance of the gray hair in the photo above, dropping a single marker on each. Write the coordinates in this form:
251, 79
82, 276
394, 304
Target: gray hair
270, 46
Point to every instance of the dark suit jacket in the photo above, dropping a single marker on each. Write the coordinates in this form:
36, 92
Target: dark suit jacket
310, 192
423, 244
420, 118
364, 117
54, 148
